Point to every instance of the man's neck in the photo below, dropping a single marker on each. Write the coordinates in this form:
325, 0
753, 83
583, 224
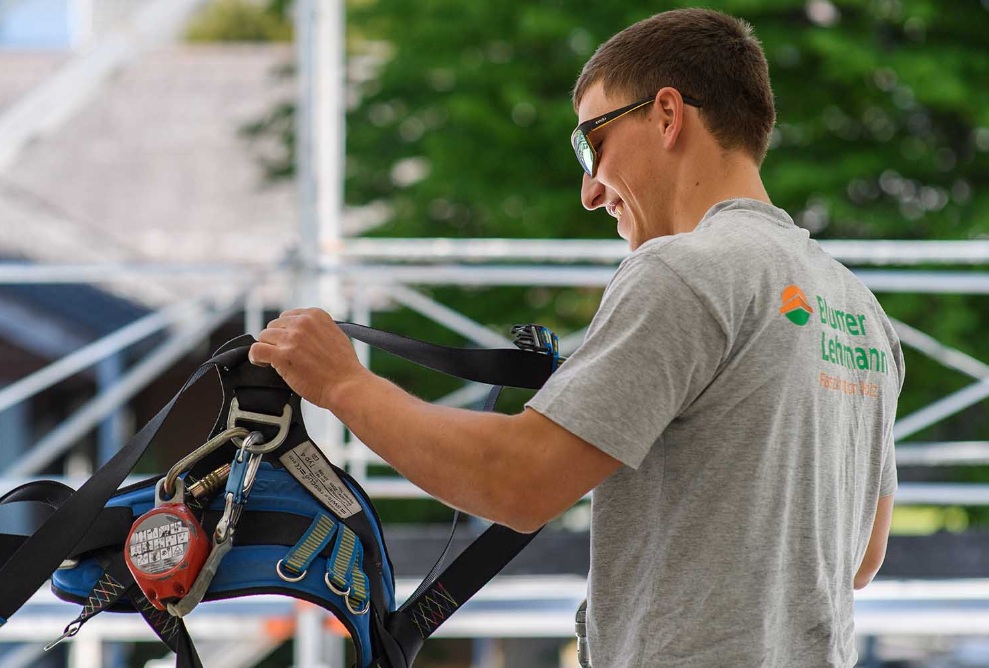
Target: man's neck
707, 183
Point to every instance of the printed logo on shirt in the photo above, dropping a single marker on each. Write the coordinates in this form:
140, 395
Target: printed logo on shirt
844, 343
795, 306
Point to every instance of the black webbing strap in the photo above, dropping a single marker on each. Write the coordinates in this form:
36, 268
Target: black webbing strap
420, 616
510, 367
171, 630
434, 601
104, 594
38, 557
108, 530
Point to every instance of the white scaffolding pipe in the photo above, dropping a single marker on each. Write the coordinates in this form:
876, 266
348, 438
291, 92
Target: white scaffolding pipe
951, 358
244, 652
943, 494
858, 252
85, 651
937, 411
925, 282
853, 252
254, 313
480, 250
15, 273
447, 317
476, 276
94, 352
946, 355
63, 437
961, 453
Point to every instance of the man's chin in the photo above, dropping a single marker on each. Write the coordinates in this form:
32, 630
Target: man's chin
626, 234
622, 230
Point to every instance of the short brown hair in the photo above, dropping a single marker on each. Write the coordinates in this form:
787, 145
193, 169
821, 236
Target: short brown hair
704, 54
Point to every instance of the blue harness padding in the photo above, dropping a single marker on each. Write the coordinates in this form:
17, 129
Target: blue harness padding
251, 569
306, 529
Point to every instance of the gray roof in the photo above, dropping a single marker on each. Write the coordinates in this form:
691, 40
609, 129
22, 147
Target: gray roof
20, 71
154, 168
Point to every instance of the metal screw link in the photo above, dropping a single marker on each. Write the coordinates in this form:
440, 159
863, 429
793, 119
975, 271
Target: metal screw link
210, 484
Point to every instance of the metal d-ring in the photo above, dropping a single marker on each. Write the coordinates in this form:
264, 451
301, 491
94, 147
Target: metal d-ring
283, 422
367, 606
326, 579
278, 569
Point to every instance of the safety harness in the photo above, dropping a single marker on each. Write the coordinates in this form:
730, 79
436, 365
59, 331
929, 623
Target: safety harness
257, 509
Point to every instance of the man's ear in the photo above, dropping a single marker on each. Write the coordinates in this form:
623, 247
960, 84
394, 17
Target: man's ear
669, 109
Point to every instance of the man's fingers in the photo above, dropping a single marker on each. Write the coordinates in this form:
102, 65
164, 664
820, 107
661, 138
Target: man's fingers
281, 322
304, 311
272, 335
292, 317
259, 354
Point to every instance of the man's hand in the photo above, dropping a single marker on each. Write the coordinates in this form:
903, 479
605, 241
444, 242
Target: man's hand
309, 352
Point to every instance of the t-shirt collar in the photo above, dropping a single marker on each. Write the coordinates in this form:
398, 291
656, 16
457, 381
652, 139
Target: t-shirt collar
772, 213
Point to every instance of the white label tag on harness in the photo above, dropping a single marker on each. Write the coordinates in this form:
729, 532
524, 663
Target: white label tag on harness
308, 465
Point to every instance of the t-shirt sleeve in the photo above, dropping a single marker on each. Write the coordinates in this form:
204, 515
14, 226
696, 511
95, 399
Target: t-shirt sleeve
888, 479
650, 350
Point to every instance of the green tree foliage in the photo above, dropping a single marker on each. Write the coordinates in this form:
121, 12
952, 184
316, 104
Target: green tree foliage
883, 132
883, 114
241, 21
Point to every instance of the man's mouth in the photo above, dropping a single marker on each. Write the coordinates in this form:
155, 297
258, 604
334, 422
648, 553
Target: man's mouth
616, 208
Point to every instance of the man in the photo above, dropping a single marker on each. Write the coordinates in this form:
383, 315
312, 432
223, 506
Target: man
731, 406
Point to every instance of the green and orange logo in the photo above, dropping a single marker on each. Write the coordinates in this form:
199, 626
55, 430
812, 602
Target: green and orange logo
795, 305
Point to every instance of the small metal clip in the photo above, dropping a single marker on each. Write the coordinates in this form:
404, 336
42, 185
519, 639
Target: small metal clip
70, 630
244, 469
231, 513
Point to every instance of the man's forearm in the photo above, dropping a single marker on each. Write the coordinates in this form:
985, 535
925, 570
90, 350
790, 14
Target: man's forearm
464, 458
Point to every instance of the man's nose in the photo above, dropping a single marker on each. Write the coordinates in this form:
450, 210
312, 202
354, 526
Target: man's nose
591, 193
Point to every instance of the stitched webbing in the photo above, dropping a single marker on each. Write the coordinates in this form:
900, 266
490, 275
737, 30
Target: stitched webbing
344, 556
310, 545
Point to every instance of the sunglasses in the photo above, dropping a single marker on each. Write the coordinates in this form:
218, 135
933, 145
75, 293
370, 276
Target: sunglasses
586, 155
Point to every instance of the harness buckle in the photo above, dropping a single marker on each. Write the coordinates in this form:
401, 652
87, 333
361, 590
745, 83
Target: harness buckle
538, 339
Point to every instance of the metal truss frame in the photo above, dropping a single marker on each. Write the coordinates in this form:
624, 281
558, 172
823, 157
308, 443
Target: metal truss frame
389, 271
374, 274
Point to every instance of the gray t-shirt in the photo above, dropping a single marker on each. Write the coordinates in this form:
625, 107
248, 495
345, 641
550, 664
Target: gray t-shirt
748, 382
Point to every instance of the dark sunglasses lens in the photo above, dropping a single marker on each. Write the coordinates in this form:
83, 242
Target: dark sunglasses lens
582, 148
